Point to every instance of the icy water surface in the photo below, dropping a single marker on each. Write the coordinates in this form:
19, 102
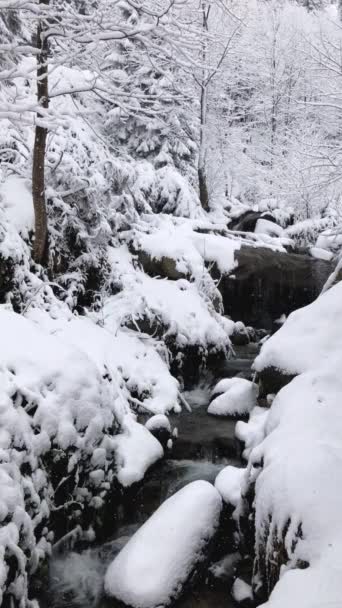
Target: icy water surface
204, 446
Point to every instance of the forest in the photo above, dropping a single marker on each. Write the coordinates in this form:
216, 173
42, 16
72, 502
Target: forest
170, 303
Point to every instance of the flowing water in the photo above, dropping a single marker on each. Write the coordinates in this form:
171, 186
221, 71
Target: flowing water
204, 446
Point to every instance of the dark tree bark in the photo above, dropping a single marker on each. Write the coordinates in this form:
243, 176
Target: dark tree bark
40, 247
203, 188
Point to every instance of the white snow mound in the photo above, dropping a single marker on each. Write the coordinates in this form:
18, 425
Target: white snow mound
152, 568
239, 397
229, 483
309, 336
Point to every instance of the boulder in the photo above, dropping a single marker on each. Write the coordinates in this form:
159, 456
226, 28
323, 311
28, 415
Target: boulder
160, 427
157, 563
240, 335
233, 397
247, 221
267, 283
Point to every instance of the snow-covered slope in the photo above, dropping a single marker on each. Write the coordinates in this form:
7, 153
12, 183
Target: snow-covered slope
295, 462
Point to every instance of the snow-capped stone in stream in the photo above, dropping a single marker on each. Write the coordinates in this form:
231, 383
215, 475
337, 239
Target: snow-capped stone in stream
225, 569
159, 421
252, 433
136, 450
309, 335
242, 592
153, 567
238, 397
159, 425
228, 483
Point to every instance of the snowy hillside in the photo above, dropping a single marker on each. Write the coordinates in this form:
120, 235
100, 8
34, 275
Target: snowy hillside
170, 195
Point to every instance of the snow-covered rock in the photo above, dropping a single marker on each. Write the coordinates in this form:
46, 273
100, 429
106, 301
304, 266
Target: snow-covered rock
309, 336
264, 226
242, 592
136, 450
188, 321
159, 425
224, 570
229, 483
321, 254
153, 567
252, 432
238, 397
297, 501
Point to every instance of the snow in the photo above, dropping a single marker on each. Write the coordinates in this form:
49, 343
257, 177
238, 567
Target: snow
129, 359
299, 485
321, 254
136, 449
16, 199
189, 320
309, 336
60, 388
229, 483
241, 591
252, 433
189, 248
152, 568
330, 240
225, 568
159, 421
238, 397
267, 227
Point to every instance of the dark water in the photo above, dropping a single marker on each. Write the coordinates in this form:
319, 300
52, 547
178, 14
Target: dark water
204, 446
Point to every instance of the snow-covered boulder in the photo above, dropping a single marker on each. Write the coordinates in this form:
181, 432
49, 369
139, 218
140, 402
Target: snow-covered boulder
252, 432
267, 282
229, 483
237, 398
224, 570
152, 569
297, 499
265, 226
159, 425
309, 336
136, 449
240, 335
242, 593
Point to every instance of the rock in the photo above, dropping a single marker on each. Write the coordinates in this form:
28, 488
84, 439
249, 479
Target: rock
229, 483
266, 284
154, 567
235, 397
224, 571
271, 380
247, 222
242, 593
164, 266
240, 336
159, 425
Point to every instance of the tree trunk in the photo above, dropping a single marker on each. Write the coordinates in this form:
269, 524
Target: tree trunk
40, 247
201, 170
203, 188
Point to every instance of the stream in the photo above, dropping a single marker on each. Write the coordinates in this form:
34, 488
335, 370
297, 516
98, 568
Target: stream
205, 444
